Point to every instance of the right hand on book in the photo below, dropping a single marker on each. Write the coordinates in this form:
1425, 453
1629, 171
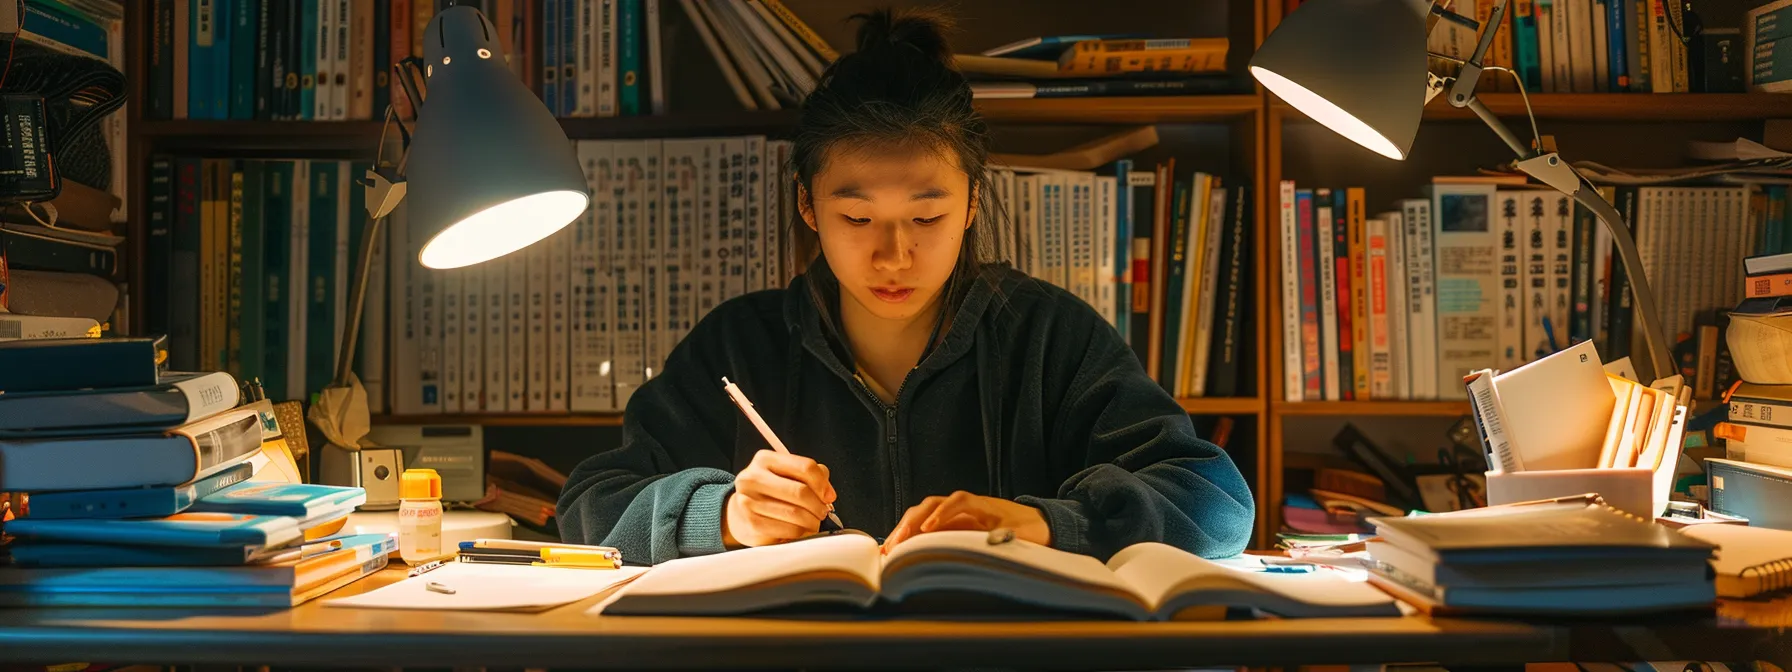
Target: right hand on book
778, 498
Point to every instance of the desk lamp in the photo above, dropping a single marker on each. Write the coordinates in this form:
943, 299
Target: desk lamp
1360, 68
490, 172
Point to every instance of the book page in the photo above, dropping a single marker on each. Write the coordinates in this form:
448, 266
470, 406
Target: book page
1162, 574
1070, 566
853, 554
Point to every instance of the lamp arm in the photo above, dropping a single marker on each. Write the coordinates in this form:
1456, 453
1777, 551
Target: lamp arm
1642, 295
1464, 90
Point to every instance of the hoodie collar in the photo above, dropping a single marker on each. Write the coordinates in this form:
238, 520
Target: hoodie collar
806, 320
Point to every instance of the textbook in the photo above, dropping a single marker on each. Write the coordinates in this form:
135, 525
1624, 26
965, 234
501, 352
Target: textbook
181, 455
41, 553
135, 502
178, 399
76, 363
1750, 560
181, 529
280, 499
1148, 581
297, 573
348, 566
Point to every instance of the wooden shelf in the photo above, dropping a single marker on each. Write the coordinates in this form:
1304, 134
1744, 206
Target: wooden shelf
1122, 110
506, 419
1385, 408
1614, 106
1222, 405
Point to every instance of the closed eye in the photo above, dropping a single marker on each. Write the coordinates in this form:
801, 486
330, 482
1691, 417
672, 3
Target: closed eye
856, 221
929, 220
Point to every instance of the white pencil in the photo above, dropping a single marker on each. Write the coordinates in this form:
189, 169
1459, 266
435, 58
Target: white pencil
746, 406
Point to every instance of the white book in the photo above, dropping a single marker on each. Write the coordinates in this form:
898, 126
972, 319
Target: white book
535, 261
36, 327
497, 351
679, 186
1602, 62
452, 387
652, 259
711, 212
1328, 293
628, 164
1207, 296
1560, 237
753, 209
1563, 30
1398, 305
1028, 222
590, 377
322, 92
1293, 384
339, 66
1580, 37
559, 252
429, 332
344, 171
1080, 264
1012, 240
734, 223
1514, 227
759, 80
1602, 260
1467, 249
1106, 275
656, 59
809, 60
374, 328
516, 331
1055, 227
776, 50
472, 339
584, 61
717, 52
1381, 337
771, 237
299, 294
604, 53
729, 13
1421, 297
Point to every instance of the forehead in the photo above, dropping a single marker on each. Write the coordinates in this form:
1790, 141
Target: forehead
888, 166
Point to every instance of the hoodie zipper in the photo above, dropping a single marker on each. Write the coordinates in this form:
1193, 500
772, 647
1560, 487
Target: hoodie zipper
890, 452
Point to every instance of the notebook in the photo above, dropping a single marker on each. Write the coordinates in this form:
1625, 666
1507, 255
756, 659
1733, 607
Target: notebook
1750, 560
1571, 529
1147, 581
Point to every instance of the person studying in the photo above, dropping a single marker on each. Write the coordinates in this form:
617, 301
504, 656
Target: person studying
917, 385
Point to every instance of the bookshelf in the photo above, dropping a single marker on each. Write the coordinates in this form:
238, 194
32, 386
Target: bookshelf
1261, 140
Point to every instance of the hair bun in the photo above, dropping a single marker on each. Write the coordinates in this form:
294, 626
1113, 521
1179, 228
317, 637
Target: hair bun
921, 29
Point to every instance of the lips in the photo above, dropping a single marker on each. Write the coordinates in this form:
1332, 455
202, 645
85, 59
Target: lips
892, 294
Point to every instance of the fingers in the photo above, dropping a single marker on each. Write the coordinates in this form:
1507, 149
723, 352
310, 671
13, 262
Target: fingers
800, 469
961, 505
910, 524
752, 522
766, 479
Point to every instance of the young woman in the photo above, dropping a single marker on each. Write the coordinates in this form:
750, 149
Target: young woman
917, 387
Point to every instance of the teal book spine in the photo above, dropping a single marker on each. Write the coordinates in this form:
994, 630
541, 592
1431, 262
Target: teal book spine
1123, 248
1524, 46
219, 87
628, 57
1175, 268
320, 294
54, 21
307, 64
276, 265
244, 22
253, 334
202, 26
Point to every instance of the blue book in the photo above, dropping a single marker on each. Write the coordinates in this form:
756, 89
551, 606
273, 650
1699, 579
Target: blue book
1123, 248
276, 260
628, 57
306, 566
1050, 48
244, 21
550, 55
203, 27
1175, 268
66, 27
307, 65
30, 553
188, 528
569, 36
320, 296
219, 86
1525, 54
279, 499
135, 502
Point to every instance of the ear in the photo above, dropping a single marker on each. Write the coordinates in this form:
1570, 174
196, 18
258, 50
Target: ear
805, 206
971, 214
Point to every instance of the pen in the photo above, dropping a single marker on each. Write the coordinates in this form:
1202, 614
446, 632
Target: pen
746, 406
426, 568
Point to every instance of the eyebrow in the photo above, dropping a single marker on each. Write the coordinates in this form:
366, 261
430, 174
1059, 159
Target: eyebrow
849, 191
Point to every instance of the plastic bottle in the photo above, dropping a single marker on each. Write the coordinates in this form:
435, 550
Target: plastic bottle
419, 516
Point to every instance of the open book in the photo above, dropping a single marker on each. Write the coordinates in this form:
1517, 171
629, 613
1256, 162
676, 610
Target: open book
1148, 581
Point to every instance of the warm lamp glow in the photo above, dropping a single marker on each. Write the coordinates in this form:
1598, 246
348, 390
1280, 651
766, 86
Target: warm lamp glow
502, 229
1324, 112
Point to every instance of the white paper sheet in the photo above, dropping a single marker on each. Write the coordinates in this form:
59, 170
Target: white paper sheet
485, 587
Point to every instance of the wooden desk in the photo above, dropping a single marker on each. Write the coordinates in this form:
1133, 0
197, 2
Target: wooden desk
566, 637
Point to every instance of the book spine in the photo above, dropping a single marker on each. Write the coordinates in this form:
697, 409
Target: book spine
381, 81
606, 56
1660, 49
679, 195
1224, 361
1636, 45
361, 59
1760, 412
340, 68
628, 57
252, 344
158, 298
1102, 57
1325, 242
1491, 421
161, 60
558, 247
655, 57
1381, 366
298, 278
628, 171
1619, 301
401, 49
1312, 343
734, 281
1083, 234
1359, 292
1422, 274
1174, 284
1568, 35
219, 84
310, 32
1122, 244
1466, 250
1195, 380
452, 295
1399, 306
569, 46
1597, 69
1561, 267
320, 316
326, 60
1546, 45
1343, 284
1524, 44
516, 332
776, 183
1513, 235
1580, 324
242, 77
599, 314
348, 228
496, 281
550, 54
218, 251
1105, 242
203, 21
535, 259
1618, 36
752, 197
585, 100
472, 340
652, 255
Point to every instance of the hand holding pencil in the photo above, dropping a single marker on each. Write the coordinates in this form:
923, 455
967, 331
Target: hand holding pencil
779, 496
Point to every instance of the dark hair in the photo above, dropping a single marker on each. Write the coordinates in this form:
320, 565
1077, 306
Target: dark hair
899, 87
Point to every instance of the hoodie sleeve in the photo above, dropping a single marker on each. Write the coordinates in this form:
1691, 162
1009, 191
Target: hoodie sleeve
660, 494
1144, 474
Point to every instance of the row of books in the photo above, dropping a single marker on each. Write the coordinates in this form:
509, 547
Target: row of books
91, 29
1593, 46
1402, 304
145, 487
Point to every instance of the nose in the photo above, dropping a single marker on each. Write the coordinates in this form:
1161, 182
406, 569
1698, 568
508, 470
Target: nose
893, 248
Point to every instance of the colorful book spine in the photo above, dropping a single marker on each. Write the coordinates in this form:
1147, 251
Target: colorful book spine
1359, 291
308, 38
1312, 343
628, 57
1325, 241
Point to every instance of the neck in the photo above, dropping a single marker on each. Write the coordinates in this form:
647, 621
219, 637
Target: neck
887, 348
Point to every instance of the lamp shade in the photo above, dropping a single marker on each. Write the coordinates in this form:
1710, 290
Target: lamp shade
1356, 66
490, 171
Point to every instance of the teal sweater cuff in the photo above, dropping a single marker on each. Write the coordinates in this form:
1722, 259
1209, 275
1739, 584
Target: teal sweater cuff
700, 528
1067, 520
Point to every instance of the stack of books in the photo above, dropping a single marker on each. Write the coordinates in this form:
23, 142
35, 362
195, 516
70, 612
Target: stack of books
1750, 480
139, 488
1571, 557
1084, 66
